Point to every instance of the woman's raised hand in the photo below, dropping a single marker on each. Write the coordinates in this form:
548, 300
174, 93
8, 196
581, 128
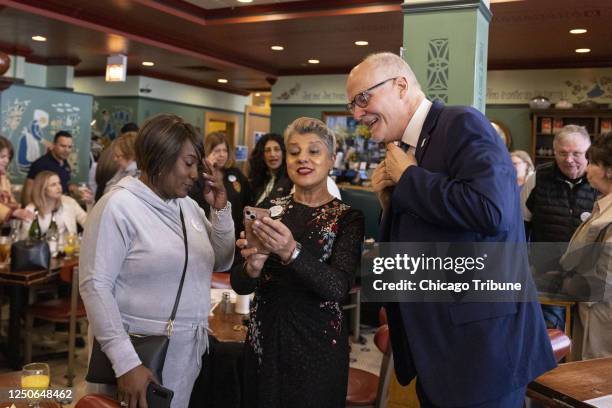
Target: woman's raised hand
214, 190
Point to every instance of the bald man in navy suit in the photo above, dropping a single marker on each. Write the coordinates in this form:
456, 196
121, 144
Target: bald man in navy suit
453, 183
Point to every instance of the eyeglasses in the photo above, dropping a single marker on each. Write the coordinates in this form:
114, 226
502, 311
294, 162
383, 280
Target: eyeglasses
575, 155
362, 98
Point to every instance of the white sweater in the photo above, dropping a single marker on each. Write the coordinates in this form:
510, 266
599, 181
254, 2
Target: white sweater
132, 257
66, 218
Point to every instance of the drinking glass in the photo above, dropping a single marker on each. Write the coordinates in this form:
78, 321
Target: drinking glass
5, 250
36, 377
15, 229
70, 245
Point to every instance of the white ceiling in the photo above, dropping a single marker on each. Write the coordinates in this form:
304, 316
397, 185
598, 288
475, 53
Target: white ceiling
214, 4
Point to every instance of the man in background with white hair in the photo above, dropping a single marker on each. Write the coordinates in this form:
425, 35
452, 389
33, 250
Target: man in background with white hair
556, 200
453, 182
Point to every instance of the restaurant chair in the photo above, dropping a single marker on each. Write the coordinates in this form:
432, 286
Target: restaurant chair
221, 280
354, 305
366, 389
97, 401
560, 342
64, 310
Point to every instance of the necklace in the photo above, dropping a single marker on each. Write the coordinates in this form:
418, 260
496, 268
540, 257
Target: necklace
325, 201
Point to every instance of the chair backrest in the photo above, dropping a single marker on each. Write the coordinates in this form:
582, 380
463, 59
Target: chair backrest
560, 342
66, 271
97, 401
381, 339
382, 316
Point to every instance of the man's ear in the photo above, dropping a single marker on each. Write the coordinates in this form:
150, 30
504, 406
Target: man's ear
402, 83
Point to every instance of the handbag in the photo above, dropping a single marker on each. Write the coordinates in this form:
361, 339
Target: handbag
30, 255
150, 349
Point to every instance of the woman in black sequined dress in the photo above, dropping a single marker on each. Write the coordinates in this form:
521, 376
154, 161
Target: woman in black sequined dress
296, 352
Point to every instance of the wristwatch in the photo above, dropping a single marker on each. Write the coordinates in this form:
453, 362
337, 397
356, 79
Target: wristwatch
294, 254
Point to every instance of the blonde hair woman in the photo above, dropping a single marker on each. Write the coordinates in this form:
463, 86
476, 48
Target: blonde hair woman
523, 165
49, 202
124, 154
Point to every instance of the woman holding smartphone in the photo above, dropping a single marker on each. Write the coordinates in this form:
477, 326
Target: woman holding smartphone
296, 351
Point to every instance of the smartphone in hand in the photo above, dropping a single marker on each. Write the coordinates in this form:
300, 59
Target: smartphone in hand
158, 396
251, 214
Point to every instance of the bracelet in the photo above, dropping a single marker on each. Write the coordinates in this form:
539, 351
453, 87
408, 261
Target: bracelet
294, 254
221, 211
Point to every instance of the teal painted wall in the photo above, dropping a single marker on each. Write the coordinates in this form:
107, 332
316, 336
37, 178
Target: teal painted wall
113, 112
31, 116
192, 114
517, 120
282, 115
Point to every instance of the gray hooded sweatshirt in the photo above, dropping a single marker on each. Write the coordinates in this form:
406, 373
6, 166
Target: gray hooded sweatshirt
131, 261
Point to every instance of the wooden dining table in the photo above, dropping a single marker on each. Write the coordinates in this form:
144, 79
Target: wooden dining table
227, 327
17, 286
571, 384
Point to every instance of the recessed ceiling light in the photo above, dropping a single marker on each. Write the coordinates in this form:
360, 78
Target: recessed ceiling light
245, 1
39, 38
222, 81
362, 43
313, 61
583, 50
277, 47
578, 31
148, 63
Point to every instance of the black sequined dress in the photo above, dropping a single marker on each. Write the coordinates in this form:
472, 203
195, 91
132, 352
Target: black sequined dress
296, 351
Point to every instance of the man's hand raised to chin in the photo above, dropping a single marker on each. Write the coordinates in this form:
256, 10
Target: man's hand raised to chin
397, 161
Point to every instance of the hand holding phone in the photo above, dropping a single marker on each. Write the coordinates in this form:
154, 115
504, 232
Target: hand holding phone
158, 396
251, 214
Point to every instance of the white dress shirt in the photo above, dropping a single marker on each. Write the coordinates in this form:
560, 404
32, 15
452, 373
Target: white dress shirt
413, 130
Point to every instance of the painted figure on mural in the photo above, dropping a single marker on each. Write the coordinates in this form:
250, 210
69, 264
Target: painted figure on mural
13, 116
107, 126
31, 137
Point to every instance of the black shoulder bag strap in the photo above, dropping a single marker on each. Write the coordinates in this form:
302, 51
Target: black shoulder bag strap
170, 325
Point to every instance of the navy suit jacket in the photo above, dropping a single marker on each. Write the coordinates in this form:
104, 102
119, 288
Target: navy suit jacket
463, 190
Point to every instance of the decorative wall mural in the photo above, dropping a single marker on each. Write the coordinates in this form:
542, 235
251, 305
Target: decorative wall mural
110, 120
438, 61
12, 116
288, 94
30, 118
31, 139
582, 90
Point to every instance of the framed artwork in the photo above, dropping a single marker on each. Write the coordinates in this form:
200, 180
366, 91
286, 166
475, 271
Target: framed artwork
503, 132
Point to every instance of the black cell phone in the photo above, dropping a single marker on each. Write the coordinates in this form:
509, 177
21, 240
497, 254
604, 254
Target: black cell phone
158, 396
